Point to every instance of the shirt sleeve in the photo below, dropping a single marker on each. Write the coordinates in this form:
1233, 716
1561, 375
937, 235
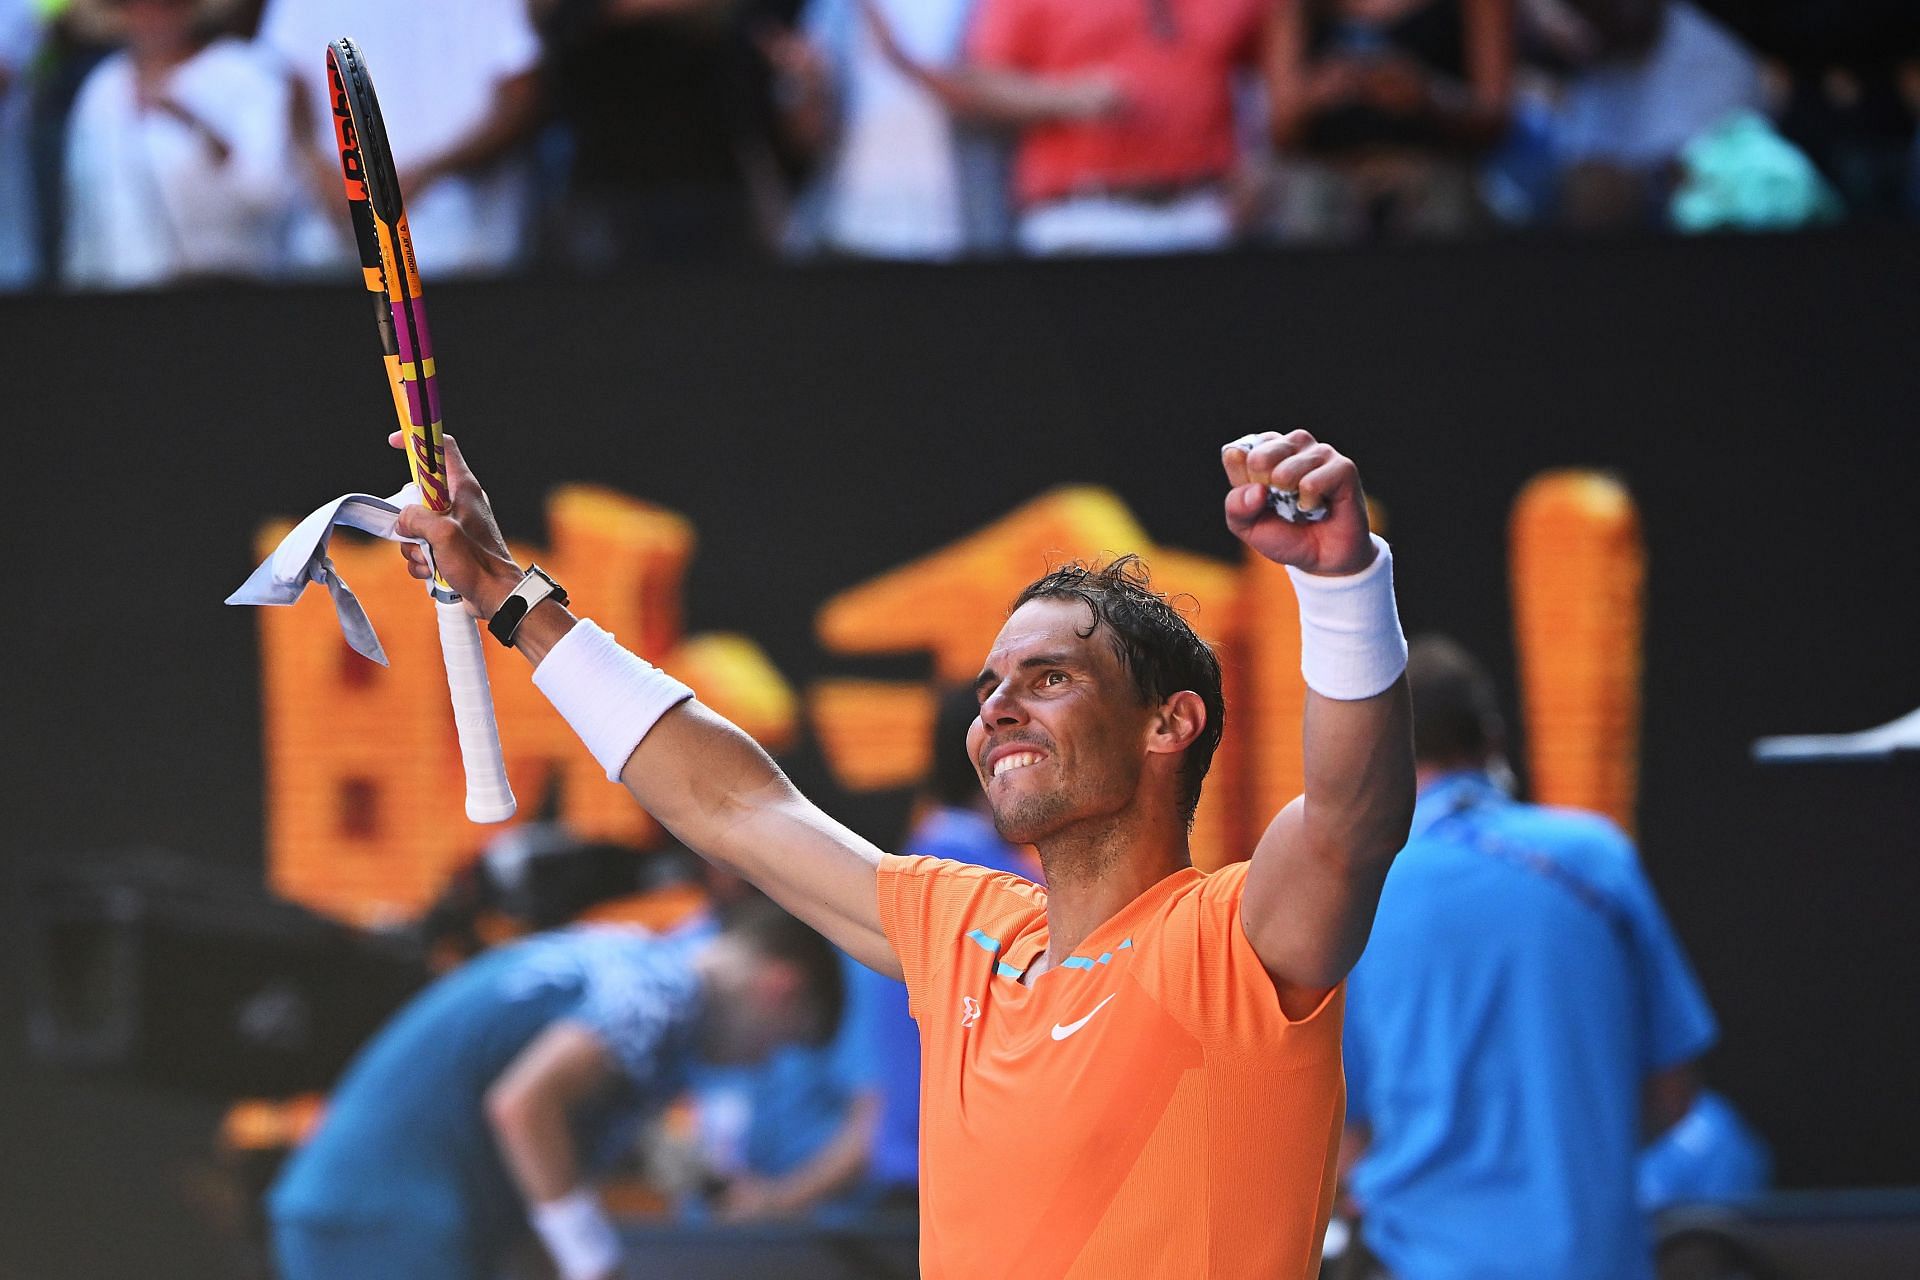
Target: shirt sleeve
631, 1010
1006, 33
928, 905
1677, 1023
1213, 981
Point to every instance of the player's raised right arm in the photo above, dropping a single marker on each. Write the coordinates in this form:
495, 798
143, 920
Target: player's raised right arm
699, 775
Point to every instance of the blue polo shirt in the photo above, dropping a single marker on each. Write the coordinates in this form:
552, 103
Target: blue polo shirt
405, 1140
1520, 984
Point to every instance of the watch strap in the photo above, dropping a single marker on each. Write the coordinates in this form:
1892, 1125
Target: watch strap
535, 586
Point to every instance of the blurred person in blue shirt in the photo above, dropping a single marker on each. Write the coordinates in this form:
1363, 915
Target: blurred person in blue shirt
1522, 1022
489, 1100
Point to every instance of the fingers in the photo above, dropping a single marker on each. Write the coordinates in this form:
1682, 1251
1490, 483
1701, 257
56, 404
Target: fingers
1320, 486
421, 522
416, 558
1286, 475
1252, 458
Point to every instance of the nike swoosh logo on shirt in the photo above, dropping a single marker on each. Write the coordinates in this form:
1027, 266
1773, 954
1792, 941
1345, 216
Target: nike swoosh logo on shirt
1061, 1033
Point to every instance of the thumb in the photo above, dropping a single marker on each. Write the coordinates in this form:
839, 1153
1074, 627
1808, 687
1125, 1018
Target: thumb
1245, 505
418, 522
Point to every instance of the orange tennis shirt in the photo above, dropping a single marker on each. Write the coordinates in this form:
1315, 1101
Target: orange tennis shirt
1143, 1110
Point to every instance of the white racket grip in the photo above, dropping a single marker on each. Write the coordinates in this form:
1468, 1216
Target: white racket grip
489, 797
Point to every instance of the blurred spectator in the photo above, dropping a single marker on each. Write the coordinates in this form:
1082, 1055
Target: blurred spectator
491, 1097
1741, 175
1382, 109
1709, 1156
1522, 1021
898, 178
19, 41
458, 85
1647, 77
793, 1137
667, 111
1124, 111
177, 155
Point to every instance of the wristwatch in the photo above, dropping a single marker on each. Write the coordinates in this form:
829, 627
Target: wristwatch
535, 586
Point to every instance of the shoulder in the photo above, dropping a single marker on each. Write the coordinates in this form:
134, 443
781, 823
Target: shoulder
1197, 959
113, 74
638, 991
952, 877
1590, 841
931, 907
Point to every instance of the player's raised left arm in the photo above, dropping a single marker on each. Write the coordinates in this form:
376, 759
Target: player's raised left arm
1317, 872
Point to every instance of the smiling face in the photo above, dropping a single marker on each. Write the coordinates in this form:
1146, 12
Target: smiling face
1062, 728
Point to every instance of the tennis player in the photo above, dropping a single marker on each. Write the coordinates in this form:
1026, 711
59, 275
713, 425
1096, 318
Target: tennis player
1134, 1071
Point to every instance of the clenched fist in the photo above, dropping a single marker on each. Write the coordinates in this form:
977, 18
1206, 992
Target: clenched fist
1325, 480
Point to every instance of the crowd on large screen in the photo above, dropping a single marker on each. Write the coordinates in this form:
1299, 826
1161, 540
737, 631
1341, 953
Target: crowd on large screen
145, 142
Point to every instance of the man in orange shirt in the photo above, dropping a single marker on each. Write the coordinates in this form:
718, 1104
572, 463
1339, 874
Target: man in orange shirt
1136, 1070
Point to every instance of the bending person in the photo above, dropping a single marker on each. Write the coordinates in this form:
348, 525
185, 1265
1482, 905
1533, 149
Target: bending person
490, 1099
1136, 1069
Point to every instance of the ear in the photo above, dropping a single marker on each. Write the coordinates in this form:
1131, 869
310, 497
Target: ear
1180, 720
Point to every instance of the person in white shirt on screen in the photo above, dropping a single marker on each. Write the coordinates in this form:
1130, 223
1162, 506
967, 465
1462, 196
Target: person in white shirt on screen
458, 91
178, 156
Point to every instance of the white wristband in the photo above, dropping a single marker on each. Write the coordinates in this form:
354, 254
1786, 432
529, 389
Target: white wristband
579, 1235
609, 696
1351, 645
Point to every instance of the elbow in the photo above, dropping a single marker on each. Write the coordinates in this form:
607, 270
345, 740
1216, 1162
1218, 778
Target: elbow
508, 1109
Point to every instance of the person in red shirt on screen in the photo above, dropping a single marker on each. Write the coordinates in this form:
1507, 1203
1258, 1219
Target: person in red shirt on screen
1124, 111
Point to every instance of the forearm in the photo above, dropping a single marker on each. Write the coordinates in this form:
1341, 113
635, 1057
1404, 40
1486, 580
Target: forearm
1016, 100
695, 772
536, 1143
510, 119
718, 792
837, 1165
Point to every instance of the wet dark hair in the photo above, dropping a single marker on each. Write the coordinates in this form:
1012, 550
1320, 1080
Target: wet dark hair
1456, 718
1154, 643
772, 934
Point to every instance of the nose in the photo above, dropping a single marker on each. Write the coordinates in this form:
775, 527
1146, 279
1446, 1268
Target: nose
1001, 709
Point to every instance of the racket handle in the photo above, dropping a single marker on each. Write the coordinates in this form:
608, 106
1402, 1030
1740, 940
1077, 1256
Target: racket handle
489, 797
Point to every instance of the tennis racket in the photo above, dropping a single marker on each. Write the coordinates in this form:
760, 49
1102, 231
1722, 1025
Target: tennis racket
393, 277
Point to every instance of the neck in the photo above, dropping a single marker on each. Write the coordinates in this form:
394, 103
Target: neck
161, 55
1093, 874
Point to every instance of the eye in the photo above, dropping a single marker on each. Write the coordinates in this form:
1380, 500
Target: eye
1054, 677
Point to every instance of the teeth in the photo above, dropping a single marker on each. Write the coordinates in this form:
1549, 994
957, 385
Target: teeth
1018, 760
